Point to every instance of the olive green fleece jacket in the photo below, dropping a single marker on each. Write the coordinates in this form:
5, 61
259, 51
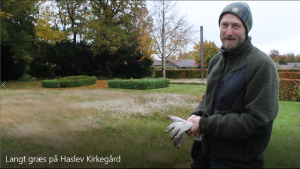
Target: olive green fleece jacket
239, 106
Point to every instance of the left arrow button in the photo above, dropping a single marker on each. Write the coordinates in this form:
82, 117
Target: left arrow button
3, 84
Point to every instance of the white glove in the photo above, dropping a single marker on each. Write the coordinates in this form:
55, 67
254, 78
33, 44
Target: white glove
179, 127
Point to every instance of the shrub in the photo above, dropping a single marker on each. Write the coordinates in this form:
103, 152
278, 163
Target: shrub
289, 75
141, 84
289, 90
288, 70
191, 67
70, 81
196, 73
25, 77
171, 68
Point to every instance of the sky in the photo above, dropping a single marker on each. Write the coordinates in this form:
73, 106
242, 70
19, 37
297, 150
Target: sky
276, 24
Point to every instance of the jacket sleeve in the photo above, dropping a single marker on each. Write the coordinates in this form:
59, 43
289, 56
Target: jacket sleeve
199, 111
261, 105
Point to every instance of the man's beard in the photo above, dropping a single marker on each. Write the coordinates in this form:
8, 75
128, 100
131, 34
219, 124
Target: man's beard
231, 46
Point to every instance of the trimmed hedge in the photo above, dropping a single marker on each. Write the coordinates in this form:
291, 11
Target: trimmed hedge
289, 78
289, 75
140, 84
288, 70
182, 73
69, 81
196, 73
289, 90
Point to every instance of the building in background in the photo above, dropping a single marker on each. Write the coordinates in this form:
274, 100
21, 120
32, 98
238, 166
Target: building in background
182, 64
289, 65
176, 64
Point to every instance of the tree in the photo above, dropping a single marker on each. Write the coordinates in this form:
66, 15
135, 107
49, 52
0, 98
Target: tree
72, 16
175, 29
274, 54
143, 22
210, 49
131, 63
297, 58
63, 59
113, 25
9, 69
18, 30
290, 57
186, 56
282, 60
40, 35
45, 27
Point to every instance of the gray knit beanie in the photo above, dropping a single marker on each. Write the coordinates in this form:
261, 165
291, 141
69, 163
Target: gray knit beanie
242, 10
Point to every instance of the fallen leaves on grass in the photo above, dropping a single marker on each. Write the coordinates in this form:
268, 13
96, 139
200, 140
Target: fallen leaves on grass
100, 84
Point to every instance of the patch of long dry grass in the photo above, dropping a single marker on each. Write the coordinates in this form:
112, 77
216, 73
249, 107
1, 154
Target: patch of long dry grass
29, 114
140, 104
82, 122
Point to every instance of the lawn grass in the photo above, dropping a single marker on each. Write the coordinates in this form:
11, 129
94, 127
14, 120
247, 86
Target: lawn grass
173, 88
284, 149
85, 121
100, 84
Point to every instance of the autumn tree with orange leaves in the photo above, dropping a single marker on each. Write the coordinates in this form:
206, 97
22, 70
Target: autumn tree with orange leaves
284, 58
210, 49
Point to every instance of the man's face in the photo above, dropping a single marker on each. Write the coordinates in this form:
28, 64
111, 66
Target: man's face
232, 31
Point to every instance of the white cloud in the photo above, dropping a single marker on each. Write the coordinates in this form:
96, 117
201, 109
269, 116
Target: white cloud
275, 23
290, 45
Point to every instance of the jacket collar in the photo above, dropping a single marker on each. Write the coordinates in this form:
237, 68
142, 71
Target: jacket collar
238, 51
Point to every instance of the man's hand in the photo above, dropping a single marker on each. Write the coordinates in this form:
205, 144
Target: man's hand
194, 131
190, 118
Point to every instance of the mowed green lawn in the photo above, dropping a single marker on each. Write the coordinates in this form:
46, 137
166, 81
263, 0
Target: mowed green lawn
124, 127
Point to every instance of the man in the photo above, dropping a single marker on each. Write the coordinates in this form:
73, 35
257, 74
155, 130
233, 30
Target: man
236, 114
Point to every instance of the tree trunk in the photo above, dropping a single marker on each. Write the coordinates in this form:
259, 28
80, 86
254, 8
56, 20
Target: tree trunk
163, 43
74, 39
103, 67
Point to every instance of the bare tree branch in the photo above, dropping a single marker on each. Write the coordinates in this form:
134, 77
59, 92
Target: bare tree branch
178, 32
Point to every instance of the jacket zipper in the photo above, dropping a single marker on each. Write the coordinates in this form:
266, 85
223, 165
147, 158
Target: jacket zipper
214, 98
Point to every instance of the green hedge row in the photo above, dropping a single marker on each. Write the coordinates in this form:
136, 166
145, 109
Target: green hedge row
70, 81
182, 73
289, 90
140, 84
288, 70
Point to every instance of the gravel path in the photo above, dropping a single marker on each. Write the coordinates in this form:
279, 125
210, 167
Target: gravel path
192, 81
